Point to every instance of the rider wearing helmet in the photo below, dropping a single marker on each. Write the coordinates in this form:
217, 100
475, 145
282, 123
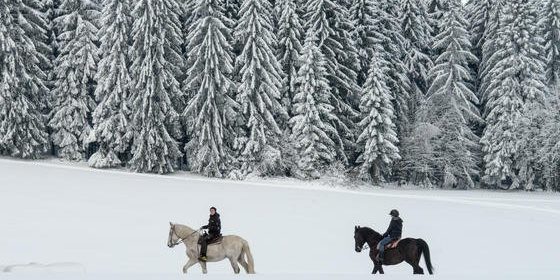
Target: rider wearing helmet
214, 227
393, 233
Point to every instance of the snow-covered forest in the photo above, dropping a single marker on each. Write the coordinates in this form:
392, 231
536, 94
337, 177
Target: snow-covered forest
437, 93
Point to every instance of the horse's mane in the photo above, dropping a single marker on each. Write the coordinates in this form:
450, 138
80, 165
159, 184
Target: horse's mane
182, 230
369, 231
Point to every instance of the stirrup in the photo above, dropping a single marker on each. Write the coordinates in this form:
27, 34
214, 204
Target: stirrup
203, 258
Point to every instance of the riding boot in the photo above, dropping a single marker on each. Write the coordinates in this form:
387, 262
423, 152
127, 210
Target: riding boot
203, 249
380, 256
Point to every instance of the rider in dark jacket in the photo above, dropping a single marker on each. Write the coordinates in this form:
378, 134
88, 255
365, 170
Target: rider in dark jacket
395, 228
214, 228
393, 233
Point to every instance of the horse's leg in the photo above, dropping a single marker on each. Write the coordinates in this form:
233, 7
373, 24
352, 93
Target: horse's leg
375, 268
203, 266
415, 267
412, 256
243, 263
372, 254
190, 263
234, 265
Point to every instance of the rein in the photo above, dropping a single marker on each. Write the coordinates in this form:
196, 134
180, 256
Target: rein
366, 244
182, 240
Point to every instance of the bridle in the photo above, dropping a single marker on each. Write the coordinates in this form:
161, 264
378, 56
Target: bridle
179, 240
365, 247
366, 244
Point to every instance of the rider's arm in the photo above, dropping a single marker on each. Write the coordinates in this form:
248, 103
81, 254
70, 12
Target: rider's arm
388, 230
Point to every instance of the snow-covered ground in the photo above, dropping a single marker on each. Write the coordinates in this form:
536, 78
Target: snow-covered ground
61, 221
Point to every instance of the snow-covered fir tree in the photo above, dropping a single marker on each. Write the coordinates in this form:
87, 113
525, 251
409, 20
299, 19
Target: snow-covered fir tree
231, 9
528, 160
477, 14
22, 124
364, 15
454, 150
211, 110
517, 81
377, 141
417, 60
36, 26
290, 32
416, 30
489, 49
111, 128
452, 101
548, 150
436, 10
329, 21
450, 75
478, 17
50, 10
419, 163
259, 93
156, 36
75, 70
312, 131
550, 22
188, 17
388, 36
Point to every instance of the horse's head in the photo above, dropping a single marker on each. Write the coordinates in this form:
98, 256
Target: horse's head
359, 239
173, 239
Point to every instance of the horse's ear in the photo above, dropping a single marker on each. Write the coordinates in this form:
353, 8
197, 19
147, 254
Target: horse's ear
170, 223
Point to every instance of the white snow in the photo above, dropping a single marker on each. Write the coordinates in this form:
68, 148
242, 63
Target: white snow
71, 222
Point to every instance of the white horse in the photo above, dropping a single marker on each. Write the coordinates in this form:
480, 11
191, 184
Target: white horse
231, 247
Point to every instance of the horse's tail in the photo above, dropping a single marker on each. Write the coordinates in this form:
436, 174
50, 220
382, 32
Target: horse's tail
250, 261
424, 249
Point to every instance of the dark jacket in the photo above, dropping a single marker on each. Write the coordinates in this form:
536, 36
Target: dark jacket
395, 229
214, 225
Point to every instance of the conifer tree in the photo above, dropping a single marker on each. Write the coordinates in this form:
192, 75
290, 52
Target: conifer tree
329, 21
259, 89
22, 125
212, 109
156, 35
416, 30
452, 101
290, 32
312, 130
111, 118
75, 70
517, 80
550, 22
378, 139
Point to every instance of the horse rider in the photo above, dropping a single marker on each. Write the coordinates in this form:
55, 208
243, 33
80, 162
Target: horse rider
393, 233
214, 228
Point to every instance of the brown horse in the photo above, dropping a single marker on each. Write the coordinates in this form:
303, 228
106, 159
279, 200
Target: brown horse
408, 250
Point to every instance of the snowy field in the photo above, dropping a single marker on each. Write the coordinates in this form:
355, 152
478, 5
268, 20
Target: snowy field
70, 222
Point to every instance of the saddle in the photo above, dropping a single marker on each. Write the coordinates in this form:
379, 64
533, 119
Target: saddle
392, 245
215, 240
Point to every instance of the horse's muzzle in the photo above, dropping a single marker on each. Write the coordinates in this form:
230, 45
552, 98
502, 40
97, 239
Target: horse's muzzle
358, 249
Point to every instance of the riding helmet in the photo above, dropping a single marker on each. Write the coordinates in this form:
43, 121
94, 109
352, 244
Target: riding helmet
394, 213
213, 208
